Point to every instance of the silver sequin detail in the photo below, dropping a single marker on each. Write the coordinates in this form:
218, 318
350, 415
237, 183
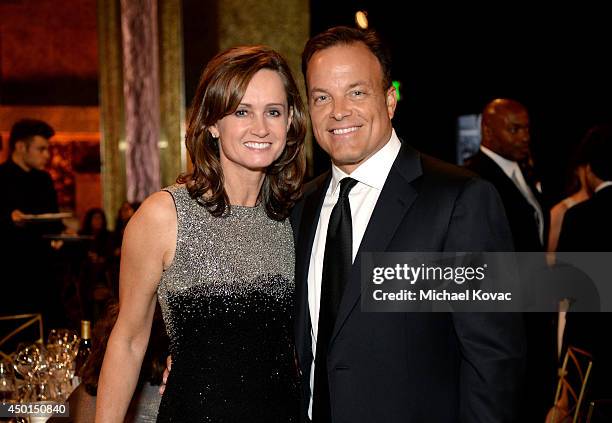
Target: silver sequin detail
231, 256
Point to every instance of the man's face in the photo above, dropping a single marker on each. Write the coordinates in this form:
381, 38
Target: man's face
350, 109
35, 154
509, 134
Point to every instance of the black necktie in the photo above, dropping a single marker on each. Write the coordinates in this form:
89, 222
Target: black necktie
337, 263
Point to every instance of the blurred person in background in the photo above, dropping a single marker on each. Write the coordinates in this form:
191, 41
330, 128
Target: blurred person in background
94, 283
577, 191
587, 227
504, 160
24, 254
30, 188
124, 214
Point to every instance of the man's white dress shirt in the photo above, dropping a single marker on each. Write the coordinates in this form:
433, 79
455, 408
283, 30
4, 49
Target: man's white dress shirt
371, 176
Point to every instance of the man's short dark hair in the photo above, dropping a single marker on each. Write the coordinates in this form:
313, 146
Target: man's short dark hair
26, 129
344, 35
598, 151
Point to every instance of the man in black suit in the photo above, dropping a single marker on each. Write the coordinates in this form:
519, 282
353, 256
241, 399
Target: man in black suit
588, 227
390, 367
504, 153
27, 189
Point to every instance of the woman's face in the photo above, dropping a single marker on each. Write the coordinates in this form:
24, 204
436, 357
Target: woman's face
126, 211
254, 136
97, 222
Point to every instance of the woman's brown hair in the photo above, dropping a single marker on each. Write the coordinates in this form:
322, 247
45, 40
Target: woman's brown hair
221, 88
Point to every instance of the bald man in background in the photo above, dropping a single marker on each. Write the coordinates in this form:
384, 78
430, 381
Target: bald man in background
503, 151
503, 157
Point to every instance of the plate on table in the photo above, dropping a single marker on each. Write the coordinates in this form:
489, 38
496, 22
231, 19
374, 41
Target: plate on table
68, 237
45, 217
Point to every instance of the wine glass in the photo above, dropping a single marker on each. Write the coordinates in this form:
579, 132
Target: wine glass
8, 383
68, 338
63, 346
61, 370
30, 362
27, 360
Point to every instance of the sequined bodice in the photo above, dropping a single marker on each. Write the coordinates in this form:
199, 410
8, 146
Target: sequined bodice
227, 300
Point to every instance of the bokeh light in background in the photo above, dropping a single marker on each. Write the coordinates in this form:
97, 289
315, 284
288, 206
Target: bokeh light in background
397, 86
361, 19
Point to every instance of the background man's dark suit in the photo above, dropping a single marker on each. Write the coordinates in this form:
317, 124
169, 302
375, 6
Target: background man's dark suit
415, 367
518, 210
24, 254
541, 327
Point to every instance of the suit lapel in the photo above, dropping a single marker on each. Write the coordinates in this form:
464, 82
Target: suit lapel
510, 187
493, 168
500, 176
396, 197
307, 229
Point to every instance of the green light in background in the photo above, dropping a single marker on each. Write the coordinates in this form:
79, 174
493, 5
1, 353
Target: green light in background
397, 84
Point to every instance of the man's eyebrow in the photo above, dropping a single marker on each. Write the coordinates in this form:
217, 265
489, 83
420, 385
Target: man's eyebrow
358, 83
320, 90
350, 87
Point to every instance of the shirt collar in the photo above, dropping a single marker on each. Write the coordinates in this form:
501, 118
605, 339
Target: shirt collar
374, 171
16, 167
603, 185
508, 166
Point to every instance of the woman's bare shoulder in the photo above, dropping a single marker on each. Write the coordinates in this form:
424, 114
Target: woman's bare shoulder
158, 208
154, 223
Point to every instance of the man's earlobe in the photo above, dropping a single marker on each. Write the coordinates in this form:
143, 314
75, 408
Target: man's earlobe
391, 101
486, 130
20, 146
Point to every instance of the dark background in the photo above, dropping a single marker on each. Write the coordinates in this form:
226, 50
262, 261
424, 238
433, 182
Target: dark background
453, 60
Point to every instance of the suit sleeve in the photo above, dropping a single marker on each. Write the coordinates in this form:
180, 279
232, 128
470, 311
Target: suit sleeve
492, 344
6, 204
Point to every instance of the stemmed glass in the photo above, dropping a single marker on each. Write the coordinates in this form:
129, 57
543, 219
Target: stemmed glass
62, 347
31, 363
8, 383
67, 338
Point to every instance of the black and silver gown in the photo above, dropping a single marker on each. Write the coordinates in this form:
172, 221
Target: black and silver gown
227, 301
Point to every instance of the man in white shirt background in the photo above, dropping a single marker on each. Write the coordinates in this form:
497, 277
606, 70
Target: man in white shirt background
505, 147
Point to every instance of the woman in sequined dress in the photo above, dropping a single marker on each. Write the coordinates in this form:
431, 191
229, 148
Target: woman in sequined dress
216, 250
